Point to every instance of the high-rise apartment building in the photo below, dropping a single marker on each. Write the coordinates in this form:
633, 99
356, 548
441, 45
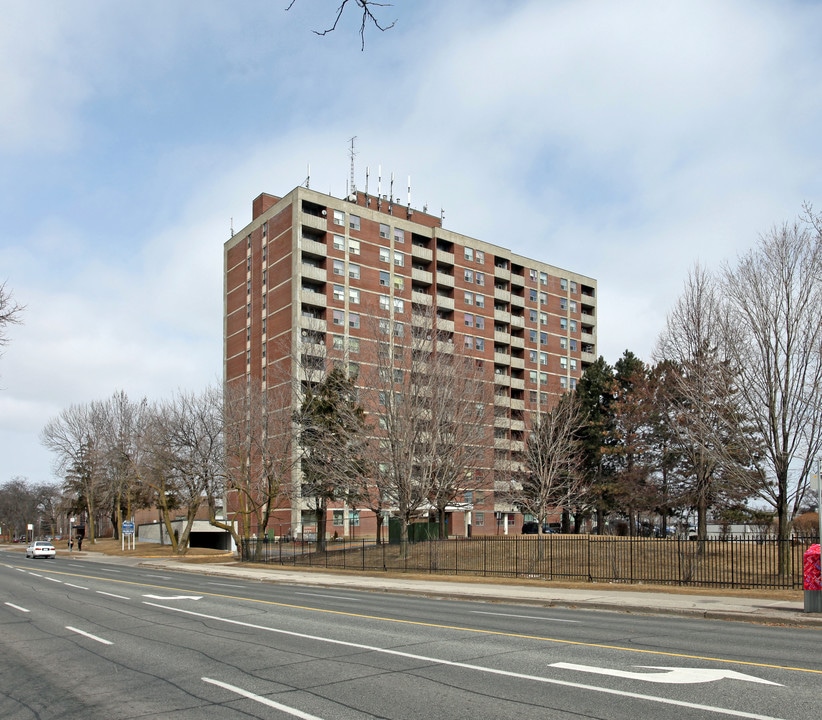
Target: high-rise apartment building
312, 276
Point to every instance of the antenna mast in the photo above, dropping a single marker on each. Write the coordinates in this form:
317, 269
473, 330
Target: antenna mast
353, 155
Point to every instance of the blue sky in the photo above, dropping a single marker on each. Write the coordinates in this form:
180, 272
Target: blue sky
625, 141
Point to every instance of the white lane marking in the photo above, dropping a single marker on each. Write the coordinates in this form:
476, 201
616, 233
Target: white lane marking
79, 587
174, 597
335, 597
35, 574
526, 617
478, 668
54, 579
16, 607
162, 577
225, 584
120, 597
88, 635
669, 675
262, 700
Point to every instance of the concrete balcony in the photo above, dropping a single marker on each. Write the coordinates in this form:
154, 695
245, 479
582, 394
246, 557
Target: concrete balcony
315, 324
518, 301
517, 342
517, 446
502, 273
420, 298
444, 302
518, 425
445, 325
313, 247
422, 253
309, 297
518, 363
503, 400
502, 443
502, 359
518, 280
445, 347
502, 422
588, 337
587, 357
503, 338
444, 280
518, 383
422, 276
314, 273
517, 321
502, 380
502, 316
503, 295
518, 404
314, 221
446, 258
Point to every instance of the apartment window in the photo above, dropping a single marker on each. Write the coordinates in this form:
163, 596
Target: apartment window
469, 298
563, 363
479, 519
573, 364
339, 243
573, 287
399, 259
385, 231
563, 283
337, 342
480, 278
385, 326
385, 278
543, 338
353, 320
532, 315
563, 323
543, 378
469, 342
479, 300
353, 247
480, 322
563, 382
532, 274
339, 217
573, 345
469, 254
532, 336
399, 283
385, 302
469, 276
543, 298
354, 271
385, 255
543, 318
563, 303
338, 317
479, 256
543, 278
399, 235
573, 325
339, 267
543, 358
532, 356
573, 306
480, 344
399, 329
532, 396
354, 222
532, 295
532, 376
339, 293
573, 383
563, 343
399, 305
469, 320
543, 398
354, 295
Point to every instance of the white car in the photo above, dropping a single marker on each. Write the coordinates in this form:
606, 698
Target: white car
40, 548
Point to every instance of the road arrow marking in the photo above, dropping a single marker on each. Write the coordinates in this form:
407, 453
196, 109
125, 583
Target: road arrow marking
174, 597
673, 676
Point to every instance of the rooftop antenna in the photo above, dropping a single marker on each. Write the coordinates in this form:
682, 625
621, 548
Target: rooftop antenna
353, 155
391, 195
379, 187
231, 226
408, 210
367, 199
442, 216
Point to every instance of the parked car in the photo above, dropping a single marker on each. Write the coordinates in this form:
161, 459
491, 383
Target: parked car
532, 528
41, 548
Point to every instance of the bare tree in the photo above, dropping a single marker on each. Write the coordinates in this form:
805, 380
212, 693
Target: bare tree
552, 476
10, 312
773, 305
368, 17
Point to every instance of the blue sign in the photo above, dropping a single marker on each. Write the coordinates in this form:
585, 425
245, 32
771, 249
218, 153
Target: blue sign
128, 528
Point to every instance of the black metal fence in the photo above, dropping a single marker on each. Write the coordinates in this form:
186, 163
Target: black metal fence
728, 562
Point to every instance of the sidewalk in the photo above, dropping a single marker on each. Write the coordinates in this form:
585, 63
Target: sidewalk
596, 597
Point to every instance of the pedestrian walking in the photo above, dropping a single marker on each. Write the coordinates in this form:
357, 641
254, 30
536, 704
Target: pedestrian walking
70, 544
79, 542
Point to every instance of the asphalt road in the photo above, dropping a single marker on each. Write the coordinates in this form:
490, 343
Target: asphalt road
97, 640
